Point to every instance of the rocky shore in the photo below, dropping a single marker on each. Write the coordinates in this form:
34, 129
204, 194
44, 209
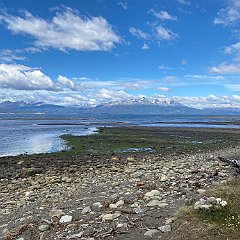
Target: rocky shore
104, 197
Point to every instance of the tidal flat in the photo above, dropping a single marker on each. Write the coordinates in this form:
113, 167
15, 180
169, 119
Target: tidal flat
120, 183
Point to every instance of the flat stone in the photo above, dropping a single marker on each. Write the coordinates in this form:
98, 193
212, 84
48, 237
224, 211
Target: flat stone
56, 213
86, 210
97, 204
156, 203
66, 219
152, 193
151, 233
201, 191
43, 227
110, 217
165, 228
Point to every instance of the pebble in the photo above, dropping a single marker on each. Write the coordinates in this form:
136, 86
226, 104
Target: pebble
110, 217
151, 233
43, 227
66, 219
165, 228
152, 193
156, 203
86, 210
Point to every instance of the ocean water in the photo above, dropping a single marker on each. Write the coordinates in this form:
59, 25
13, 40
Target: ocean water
40, 133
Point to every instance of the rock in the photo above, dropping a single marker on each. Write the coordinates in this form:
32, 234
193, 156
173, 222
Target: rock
56, 213
130, 159
163, 178
156, 203
43, 227
76, 236
110, 217
201, 191
86, 210
27, 172
66, 179
66, 219
151, 233
98, 204
21, 238
152, 193
117, 204
165, 228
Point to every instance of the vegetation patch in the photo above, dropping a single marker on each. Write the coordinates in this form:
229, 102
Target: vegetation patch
215, 223
122, 140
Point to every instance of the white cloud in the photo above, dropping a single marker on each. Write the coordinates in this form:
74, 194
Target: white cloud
164, 89
139, 33
185, 2
65, 82
225, 69
163, 15
163, 33
7, 55
170, 78
145, 46
230, 14
123, 5
67, 30
106, 94
15, 76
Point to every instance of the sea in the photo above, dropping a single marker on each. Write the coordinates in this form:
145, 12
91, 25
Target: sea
40, 133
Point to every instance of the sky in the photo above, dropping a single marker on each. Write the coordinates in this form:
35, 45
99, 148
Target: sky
90, 52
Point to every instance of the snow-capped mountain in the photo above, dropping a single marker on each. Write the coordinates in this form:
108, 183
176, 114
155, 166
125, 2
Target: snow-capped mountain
143, 101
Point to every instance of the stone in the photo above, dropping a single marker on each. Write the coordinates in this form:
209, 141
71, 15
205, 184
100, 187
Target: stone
151, 233
156, 203
98, 204
201, 191
27, 172
152, 193
66, 219
110, 216
165, 228
56, 213
76, 236
66, 179
163, 178
86, 210
43, 227
117, 204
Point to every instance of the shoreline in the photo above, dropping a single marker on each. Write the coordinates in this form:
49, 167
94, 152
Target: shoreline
106, 195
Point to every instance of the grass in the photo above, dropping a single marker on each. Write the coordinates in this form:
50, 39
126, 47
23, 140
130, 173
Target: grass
168, 140
219, 224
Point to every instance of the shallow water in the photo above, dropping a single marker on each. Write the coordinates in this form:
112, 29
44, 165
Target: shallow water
28, 134
26, 137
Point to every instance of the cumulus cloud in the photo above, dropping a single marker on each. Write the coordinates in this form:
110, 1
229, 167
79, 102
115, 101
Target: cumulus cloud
163, 15
107, 94
15, 76
67, 30
139, 33
65, 82
230, 14
225, 69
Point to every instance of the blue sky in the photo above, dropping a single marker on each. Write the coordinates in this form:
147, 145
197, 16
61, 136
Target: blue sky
95, 51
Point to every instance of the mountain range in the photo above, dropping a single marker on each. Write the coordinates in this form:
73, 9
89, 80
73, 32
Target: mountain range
130, 106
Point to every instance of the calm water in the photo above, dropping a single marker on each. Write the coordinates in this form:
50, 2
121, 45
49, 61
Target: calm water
28, 134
